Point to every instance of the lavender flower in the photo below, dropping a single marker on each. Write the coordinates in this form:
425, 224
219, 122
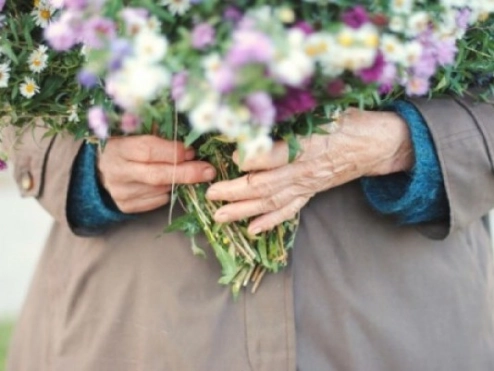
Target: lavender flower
130, 123
179, 85
2, 4
98, 122
3, 164
87, 78
250, 46
120, 49
60, 35
98, 31
262, 109
232, 14
203, 35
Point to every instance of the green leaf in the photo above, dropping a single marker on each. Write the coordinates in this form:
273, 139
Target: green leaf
192, 137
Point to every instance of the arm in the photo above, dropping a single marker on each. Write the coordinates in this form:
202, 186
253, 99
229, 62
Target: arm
416, 196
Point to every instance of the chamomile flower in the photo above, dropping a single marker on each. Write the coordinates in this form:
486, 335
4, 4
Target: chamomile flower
29, 88
42, 14
4, 75
38, 60
177, 6
73, 113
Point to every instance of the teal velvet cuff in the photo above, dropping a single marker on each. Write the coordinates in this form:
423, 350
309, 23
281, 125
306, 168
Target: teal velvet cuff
418, 196
90, 209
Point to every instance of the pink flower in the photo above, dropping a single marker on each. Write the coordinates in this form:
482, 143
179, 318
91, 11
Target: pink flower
203, 36
98, 122
130, 123
261, 107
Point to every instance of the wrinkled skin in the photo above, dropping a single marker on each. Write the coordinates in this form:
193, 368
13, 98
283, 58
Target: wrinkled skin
364, 143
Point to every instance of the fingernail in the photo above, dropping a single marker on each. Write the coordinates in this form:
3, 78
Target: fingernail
255, 231
190, 154
209, 173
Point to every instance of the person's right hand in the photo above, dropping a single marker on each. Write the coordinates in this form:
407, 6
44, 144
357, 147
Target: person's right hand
138, 171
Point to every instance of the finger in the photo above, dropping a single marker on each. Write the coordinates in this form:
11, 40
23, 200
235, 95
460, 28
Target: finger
151, 149
123, 192
246, 209
141, 205
189, 172
278, 156
251, 186
269, 221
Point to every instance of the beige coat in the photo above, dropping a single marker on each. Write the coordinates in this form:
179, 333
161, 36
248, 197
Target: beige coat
362, 294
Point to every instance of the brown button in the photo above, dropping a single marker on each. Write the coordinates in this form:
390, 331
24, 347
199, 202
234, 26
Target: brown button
27, 182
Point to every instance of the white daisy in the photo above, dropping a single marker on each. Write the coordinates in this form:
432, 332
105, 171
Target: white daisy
38, 59
29, 88
4, 75
177, 6
73, 114
42, 14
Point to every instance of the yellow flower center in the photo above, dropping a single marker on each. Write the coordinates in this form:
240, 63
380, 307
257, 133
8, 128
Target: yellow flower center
30, 88
316, 49
345, 39
372, 41
45, 14
36, 3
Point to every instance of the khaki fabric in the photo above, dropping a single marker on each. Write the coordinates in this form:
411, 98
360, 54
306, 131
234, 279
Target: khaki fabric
362, 293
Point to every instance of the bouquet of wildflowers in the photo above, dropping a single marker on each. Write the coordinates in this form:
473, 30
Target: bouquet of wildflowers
226, 75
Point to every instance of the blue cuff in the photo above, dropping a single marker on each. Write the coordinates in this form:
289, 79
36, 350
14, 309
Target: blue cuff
418, 196
90, 209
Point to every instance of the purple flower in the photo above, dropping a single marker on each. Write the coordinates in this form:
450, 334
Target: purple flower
417, 86
232, 14
75, 4
388, 78
261, 107
446, 51
179, 84
250, 46
134, 18
120, 49
3, 164
60, 35
87, 78
2, 4
294, 102
374, 72
335, 88
463, 18
203, 35
305, 27
98, 122
97, 31
355, 17
130, 123
223, 79
425, 66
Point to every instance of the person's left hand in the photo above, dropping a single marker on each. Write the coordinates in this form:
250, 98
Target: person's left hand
365, 144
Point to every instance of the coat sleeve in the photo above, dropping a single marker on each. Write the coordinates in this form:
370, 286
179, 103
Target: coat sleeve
463, 133
42, 167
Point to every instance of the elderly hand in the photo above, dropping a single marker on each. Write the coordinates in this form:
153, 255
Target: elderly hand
138, 171
365, 144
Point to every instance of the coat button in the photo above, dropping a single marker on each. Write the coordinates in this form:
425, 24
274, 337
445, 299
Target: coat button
27, 182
